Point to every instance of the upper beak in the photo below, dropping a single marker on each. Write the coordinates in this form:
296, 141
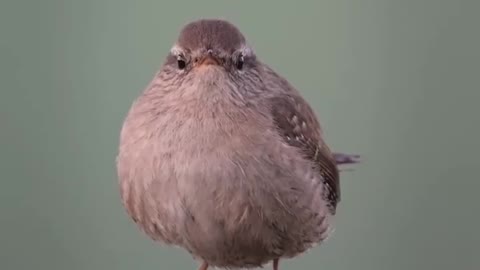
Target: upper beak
208, 60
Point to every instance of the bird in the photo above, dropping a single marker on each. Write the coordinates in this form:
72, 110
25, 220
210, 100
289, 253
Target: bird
221, 156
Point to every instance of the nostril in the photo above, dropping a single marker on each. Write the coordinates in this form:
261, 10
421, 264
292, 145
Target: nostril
210, 51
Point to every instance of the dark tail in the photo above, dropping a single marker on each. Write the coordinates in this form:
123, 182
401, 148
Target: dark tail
343, 159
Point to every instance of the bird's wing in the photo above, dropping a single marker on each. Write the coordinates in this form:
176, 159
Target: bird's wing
299, 127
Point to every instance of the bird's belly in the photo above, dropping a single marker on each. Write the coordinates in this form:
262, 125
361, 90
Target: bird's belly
244, 211
227, 201
247, 236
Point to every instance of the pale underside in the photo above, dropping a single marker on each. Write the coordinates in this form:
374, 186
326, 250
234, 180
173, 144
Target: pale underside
233, 193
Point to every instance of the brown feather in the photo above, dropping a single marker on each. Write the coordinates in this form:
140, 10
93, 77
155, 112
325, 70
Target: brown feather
299, 127
211, 33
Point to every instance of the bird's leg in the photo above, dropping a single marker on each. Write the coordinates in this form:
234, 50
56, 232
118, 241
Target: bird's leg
204, 266
275, 264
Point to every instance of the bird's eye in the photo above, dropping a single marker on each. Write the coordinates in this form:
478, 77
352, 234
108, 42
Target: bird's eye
181, 63
240, 62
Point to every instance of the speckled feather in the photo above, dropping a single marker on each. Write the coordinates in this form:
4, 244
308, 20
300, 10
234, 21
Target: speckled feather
300, 128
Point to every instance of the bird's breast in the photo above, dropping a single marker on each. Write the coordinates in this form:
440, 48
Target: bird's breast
215, 173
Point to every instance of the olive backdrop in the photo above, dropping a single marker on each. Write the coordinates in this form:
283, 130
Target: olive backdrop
395, 81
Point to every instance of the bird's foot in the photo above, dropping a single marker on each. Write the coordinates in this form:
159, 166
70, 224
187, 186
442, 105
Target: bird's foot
275, 264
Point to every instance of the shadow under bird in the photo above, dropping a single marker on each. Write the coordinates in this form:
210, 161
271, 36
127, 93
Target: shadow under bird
221, 156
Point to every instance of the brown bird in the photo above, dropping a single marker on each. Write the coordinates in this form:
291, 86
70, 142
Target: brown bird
223, 157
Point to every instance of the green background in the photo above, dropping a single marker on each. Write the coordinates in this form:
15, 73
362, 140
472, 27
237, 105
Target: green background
395, 81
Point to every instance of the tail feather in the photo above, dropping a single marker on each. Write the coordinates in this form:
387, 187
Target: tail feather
344, 159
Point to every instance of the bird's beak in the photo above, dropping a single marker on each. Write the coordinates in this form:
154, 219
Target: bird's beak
208, 60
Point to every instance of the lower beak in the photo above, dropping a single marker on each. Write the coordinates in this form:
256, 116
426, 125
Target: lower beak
208, 60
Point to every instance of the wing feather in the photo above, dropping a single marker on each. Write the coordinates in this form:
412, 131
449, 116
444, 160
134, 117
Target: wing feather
298, 125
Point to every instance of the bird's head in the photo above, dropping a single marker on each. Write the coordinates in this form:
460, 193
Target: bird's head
211, 51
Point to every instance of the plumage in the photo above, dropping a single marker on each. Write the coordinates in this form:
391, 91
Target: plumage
299, 127
210, 34
225, 160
